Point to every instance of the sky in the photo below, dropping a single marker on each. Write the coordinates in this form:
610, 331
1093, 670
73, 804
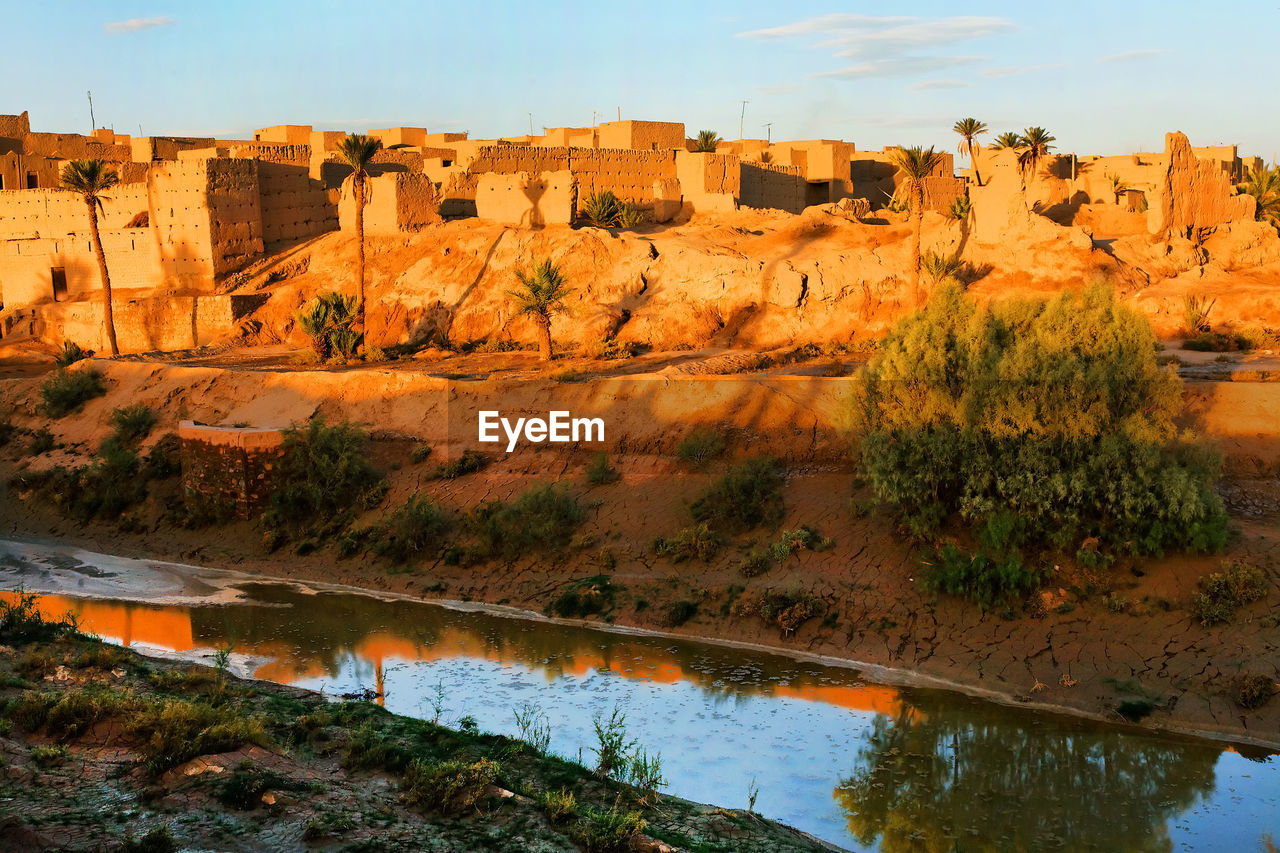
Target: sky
1102, 77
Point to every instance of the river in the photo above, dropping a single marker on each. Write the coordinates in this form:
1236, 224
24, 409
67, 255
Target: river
863, 765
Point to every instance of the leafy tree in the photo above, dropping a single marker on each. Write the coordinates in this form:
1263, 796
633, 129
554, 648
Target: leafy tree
1035, 424
92, 178
1036, 143
914, 165
707, 141
970, 129
541, 295
1263, 183
358, 152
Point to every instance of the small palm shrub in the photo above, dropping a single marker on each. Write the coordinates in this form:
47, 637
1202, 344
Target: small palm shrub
960, 208
629, 215
328, 323
1196, 308
706, 141
937, 267
70, 353
66, 391
602, 208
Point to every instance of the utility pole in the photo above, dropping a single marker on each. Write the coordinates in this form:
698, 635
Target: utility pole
741, 118
768, 130
93, 125
619, 112
531, 124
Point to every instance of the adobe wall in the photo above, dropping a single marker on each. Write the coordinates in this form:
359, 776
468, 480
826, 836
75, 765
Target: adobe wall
709, 181
629, 174
55, 213
73, 146
765, 185
15, 127
289, 134
229, 469
526, 200
26, 265
1194, 194
15, 166
235, 213
207, 218
293, 205
144, 149
875, 178
642, 135
399, 202
143, 324
400, 136
295, 154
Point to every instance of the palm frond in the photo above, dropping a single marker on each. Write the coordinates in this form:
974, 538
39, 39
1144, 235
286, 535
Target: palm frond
90, 178
969, 129
358, 150
542, 290
707, 141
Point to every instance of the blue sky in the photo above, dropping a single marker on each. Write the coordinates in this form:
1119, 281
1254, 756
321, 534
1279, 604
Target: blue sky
1102, 77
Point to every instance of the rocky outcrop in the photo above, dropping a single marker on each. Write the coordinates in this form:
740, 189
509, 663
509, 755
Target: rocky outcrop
1195, 195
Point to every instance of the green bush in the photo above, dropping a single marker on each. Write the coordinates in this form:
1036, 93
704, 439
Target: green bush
244, 788
7, 432
1217, 342
600, 472
987, 581
328, 322
414, 530
749, 495
697, 541
164, 460
468, 463
42, 441
132, 423
448, 787
70, 353
172, 731
678, 613
561, 807
1053, 414
543, 518
105, 488
67, 391
787, 609
700, 447
609, 830
603, 208
585, 597
21, 620
1253, 691
1222, 593
370, 749
159, 839
324, 479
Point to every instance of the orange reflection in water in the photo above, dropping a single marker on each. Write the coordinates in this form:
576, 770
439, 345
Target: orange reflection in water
170, 627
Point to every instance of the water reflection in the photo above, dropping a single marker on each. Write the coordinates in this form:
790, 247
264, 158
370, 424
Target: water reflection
861, 765
932, 778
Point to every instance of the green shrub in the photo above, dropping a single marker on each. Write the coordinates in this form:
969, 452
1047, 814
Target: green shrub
420, 454
328, 322
1221, 593
543, 518
756, 563
609, 830
370, 749
132, 423
22, 622
164, 460
678, 613
244, 788
700, 447
629, 215
1053, 413
602, 208
1217, 342
448, 787
70, 353
468, 463
614, 349
49, 756
414, 530
749, 495
172, 731
600, 472
67, 391
987, 581
7, 432
159, 839
584, 597
324, 478
706, 141
42, 441
960, 208
1253, 691
697, 541
78, 711
561, 807
787, 609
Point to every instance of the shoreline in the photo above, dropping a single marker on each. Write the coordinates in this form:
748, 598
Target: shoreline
871, 672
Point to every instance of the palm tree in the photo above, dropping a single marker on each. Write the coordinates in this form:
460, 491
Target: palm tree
1008, 139
1118, 186
707, 141
541, 295
970, 129
358, 150
915, 164
1263, 184
92, 178
1035, 144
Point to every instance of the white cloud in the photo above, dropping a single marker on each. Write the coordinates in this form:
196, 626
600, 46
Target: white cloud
939, 84
1131, 55
888, 46
134, 25
903, 66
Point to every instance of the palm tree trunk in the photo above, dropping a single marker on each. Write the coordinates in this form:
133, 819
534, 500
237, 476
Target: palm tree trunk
544, 338
108, 318
974, 160
917, 222
358, 188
